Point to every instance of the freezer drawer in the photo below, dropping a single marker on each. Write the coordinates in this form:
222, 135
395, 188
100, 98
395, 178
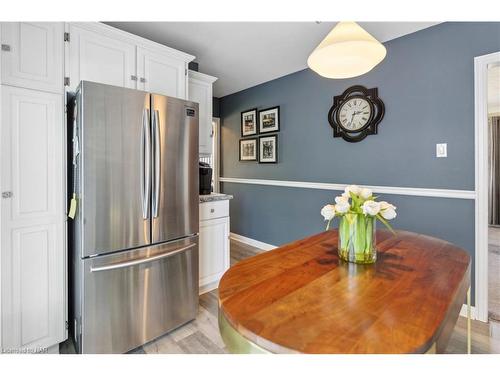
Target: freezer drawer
135, 296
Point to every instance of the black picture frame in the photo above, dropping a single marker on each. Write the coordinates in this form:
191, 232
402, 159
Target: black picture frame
274, 129
261, 149
256, 148
256, 124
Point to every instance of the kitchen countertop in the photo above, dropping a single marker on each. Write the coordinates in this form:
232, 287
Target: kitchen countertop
214, 197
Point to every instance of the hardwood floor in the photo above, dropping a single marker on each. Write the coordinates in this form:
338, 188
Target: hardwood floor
201, 336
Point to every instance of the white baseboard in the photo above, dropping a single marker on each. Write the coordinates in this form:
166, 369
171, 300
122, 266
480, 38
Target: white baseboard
208, 287
494, 330
251, 242
463, 312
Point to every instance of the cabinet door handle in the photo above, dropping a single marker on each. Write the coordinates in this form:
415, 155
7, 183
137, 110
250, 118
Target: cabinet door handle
133, 78
5, 47
212, 210
142, 79
6, 194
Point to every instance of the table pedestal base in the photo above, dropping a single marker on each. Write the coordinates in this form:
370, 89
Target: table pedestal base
234, 341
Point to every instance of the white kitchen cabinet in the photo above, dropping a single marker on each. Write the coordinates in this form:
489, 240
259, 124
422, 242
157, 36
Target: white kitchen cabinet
97, 57
161, 74
200, 91
32, 55
101, 53
32, 257
213, 246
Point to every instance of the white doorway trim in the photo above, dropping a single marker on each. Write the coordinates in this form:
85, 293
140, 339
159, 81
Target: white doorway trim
481, 180
216, 153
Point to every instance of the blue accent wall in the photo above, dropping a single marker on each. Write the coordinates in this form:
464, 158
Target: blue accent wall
427, 85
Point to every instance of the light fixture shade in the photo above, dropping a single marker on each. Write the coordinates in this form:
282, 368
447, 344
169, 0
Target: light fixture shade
347, 51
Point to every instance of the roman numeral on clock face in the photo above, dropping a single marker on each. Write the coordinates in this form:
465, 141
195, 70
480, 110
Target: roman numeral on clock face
354, 113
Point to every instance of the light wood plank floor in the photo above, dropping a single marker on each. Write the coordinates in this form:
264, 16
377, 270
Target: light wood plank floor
494, 273
202, 334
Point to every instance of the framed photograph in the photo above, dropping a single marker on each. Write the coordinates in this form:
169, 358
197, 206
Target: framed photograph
248, 149
269, 120
249, 122
268, 149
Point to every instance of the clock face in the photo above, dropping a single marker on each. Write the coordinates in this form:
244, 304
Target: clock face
354, 114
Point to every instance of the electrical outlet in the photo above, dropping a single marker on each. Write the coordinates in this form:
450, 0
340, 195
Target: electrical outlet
441, 150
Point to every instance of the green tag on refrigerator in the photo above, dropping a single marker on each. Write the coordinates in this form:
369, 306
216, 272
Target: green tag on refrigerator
72, 207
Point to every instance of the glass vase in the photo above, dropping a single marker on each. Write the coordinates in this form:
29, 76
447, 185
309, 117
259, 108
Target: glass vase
357, 239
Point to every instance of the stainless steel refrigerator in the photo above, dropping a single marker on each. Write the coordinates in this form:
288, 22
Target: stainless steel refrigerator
134, 239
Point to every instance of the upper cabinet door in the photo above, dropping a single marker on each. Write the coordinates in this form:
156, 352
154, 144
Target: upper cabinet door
98, 58
161, 74
200, 91
33, 54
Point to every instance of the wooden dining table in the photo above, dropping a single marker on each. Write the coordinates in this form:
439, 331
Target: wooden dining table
301, 298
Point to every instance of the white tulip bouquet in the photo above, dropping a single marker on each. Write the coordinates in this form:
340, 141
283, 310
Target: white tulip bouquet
358, 211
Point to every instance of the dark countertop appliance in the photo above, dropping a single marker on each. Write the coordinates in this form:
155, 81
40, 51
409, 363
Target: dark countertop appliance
205, 178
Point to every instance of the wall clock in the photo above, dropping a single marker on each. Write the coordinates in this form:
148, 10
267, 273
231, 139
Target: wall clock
356, 113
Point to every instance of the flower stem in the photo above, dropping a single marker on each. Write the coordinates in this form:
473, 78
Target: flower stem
328, 224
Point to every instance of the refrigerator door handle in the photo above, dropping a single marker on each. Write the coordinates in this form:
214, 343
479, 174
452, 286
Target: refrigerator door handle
156, 162
141, 261
145, 164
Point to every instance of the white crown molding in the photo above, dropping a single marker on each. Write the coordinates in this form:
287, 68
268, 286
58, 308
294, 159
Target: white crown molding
251, 242
201, 76
419, 192
113, 32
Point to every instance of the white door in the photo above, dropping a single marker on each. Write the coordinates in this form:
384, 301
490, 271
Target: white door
32, 55
32, 257
161, 74
98, 58
214, 250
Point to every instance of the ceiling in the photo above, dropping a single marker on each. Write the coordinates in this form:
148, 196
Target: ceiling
245, 54
494, 89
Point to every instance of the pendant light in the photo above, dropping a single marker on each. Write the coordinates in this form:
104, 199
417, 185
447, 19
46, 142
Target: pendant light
347, 51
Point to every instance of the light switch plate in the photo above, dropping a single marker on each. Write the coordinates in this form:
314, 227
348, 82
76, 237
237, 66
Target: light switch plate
441, 150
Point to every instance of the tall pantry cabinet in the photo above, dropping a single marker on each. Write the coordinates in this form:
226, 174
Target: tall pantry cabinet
32, 138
